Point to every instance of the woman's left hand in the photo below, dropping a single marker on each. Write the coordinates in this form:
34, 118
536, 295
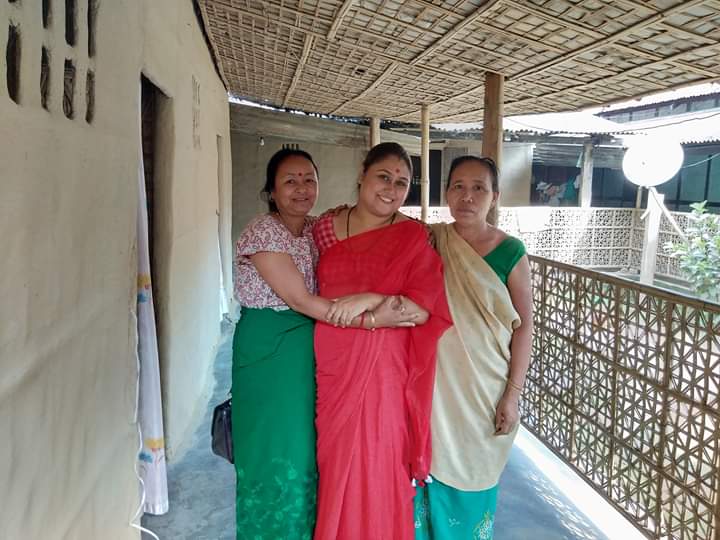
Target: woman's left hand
345, 309
507, 413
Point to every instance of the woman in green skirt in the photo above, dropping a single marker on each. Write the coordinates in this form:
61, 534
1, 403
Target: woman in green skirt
481, 363
273, 374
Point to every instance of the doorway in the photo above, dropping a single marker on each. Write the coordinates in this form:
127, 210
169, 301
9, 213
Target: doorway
157, 149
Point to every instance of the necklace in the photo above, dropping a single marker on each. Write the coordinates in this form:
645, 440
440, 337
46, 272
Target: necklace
347, 224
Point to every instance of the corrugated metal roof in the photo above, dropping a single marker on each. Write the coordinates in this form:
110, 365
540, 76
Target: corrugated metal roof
571, 123
690, 128
664, 97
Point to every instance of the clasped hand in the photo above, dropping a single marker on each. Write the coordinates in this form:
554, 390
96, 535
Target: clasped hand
388, 311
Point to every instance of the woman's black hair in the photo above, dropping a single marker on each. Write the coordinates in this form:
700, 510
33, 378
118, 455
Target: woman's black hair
488, 162
272, 169
383, 150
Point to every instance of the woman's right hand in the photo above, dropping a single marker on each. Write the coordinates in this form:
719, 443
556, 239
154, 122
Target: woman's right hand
392, 313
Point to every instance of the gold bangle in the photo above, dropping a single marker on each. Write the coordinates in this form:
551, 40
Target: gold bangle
514, 385
372, 321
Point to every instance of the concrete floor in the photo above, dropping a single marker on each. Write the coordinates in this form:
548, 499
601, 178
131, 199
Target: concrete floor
201, 489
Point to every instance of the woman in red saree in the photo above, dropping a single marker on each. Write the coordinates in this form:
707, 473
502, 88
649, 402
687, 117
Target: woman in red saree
375, 386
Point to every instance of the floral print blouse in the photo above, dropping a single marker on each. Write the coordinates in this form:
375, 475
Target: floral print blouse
266, 233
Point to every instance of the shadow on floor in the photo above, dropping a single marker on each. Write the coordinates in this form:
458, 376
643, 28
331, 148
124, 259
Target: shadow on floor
202, 489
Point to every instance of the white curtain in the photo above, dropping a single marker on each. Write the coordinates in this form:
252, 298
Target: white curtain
151, 460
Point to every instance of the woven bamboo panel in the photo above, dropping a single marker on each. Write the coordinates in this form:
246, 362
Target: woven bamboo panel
599, 238
625, 387
388, 57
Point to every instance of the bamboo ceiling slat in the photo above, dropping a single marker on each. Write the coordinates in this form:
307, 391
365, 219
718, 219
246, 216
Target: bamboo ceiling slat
389, 57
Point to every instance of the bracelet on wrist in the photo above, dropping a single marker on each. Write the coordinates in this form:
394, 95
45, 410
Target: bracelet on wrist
515, 386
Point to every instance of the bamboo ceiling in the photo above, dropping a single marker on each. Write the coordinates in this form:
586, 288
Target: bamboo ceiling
387, 57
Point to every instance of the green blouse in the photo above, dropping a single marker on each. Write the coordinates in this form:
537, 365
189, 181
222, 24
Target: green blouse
505, 256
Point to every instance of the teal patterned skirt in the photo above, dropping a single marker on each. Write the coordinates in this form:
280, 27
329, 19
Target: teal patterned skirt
445, 513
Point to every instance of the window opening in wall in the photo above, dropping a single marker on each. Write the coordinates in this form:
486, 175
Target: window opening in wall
45, 78
71, 22
90, 97
12, 57
92, 22
291, 146
69, 89
46, 13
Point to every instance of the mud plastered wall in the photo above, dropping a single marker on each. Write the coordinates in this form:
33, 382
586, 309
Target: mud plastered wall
68, 204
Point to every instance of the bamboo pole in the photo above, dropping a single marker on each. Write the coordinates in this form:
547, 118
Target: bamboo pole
425, 163
374, 131
586, 177
493, 125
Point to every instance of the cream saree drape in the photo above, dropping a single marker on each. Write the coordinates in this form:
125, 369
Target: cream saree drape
472, 369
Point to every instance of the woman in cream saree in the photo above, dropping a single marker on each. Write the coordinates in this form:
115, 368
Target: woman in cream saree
481, 363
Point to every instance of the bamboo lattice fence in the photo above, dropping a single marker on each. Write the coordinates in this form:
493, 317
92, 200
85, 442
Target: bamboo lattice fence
601, 238
625, 388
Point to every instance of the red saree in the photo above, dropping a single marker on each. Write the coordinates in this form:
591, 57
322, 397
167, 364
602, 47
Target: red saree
375, 388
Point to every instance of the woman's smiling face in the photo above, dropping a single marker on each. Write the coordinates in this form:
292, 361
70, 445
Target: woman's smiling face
296, 186
384, 186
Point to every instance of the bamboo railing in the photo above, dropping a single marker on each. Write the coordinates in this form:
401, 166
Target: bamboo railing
625, 388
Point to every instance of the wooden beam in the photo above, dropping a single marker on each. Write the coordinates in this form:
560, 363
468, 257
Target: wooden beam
217, 59
659, 87
607, 40
368, 50
586, 177
492, 137
335, 26
678, 30
481, 88
652, 235
656, 58
440, 9
520, 37
589, 31
298, 71
493, 117
489, 27
553, 19
272, 21
385, 74
374, 131
425, 162
450, 34
393, 20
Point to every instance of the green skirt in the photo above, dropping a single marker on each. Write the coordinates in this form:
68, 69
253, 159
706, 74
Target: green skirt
273, 415
443, 512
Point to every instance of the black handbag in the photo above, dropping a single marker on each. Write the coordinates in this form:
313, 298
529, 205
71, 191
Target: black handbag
221, 431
